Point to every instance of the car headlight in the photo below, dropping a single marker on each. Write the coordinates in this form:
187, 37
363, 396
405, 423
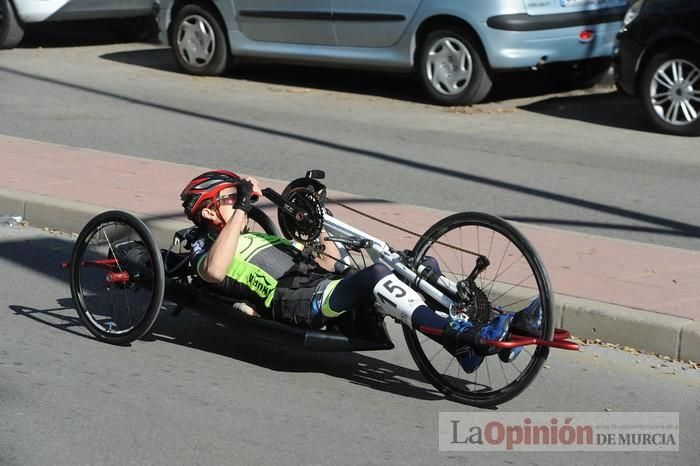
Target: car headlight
633, 12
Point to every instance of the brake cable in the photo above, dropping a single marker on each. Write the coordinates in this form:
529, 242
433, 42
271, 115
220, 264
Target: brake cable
404, 230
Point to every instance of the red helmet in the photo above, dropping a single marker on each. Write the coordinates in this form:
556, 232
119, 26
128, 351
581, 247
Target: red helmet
203, 191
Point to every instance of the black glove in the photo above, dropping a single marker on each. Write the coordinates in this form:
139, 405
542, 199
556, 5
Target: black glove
243, 196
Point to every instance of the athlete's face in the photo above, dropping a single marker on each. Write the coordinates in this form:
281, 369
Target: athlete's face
227, 199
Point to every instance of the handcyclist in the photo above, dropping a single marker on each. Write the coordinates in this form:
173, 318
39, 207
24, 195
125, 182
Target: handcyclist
270, 274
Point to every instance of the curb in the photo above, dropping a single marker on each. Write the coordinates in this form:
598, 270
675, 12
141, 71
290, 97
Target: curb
656, 333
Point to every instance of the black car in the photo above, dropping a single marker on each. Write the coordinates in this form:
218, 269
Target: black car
658, 59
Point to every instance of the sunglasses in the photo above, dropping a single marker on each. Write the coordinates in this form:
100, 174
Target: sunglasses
227, 199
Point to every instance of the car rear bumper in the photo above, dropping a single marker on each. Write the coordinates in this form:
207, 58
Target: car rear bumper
525, 22
534, 48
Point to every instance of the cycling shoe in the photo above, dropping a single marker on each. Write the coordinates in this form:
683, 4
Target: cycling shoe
529, 320
464, 339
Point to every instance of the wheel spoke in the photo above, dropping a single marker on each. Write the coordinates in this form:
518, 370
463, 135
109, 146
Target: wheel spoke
450, 46
448, 366
662, 79
671, 112
509, 267
493, 280
488, 372
438, 352
677, 71
461, 75
461, 256
660, 98
515, 365
693, 76
438, 55
436, 81
688, 110
478, 249
464, 60
112, 250
512, 287
522, 300
503, 370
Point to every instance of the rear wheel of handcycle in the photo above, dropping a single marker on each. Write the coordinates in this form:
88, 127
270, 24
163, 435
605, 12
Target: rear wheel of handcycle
514, 278
117, 278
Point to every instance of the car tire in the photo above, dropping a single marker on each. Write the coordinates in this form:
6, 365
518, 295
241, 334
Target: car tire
11, 29
661, 112
199, 41
452, 70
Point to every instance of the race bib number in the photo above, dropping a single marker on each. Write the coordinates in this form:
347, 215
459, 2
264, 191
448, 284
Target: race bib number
397, 299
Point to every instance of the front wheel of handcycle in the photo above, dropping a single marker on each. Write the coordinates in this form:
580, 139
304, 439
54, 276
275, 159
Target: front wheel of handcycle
514, 279
117, 279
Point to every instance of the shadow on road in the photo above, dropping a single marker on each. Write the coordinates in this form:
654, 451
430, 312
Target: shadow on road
400, 86
611, 109
205, 334
44, 255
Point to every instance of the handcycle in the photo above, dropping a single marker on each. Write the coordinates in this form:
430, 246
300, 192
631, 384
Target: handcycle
119, 278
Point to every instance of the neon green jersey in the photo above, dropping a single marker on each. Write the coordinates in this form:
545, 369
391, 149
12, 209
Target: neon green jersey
259, 262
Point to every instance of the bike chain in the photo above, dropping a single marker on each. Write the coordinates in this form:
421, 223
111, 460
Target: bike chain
404, 230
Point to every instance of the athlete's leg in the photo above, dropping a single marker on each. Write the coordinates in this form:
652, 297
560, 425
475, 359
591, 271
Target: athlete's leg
400, 301
395, 299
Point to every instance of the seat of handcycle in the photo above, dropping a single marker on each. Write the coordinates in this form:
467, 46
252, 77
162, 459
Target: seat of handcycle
358, 331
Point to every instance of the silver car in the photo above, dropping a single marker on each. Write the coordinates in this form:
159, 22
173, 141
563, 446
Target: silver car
455, 46
16, 14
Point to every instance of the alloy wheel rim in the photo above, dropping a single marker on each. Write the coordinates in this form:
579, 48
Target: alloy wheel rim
675, 92
196, 41
449, 66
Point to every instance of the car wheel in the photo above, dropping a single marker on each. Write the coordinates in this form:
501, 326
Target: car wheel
670, 91
199, 41
452, 70
11, 30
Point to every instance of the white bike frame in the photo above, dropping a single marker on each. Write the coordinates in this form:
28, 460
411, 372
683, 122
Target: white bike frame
380, 251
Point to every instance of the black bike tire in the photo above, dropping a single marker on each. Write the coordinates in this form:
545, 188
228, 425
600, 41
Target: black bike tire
513, 389
158, 286
261, 218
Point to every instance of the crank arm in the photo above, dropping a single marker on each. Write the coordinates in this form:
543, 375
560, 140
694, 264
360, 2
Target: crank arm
282, 203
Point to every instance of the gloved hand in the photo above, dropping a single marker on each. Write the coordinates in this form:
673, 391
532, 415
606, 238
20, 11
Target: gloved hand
244, 196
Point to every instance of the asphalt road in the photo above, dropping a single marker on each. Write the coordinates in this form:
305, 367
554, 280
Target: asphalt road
196, 392
582, 161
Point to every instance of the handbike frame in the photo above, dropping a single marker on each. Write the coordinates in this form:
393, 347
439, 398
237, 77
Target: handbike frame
380, 251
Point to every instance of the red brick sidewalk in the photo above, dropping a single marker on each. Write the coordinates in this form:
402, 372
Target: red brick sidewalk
632, 275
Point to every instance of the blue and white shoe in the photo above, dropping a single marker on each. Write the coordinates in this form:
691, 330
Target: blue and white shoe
464, 339
528, 321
